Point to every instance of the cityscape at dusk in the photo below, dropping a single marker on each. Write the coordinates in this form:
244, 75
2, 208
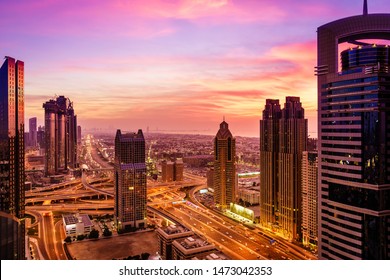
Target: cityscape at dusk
195, 130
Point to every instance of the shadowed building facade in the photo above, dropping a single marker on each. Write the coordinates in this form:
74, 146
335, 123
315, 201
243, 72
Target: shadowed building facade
354, 139
60, 135
283, 138
224, 167
130, 180
12, 176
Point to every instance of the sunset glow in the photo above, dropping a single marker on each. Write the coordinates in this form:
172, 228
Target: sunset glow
175, 65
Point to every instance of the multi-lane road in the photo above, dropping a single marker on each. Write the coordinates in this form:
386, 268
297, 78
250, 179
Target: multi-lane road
228, 235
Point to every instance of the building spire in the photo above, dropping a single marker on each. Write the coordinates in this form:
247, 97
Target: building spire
365, 9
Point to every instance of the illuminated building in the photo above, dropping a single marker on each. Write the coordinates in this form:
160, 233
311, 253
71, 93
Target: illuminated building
353, 138
224, 167
78, 224
309, 199
172, 171
190, 247
169, 234
32, 131
283, 138
130, 180
12, 173
60, 135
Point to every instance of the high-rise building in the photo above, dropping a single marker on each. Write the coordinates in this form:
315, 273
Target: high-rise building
283, 138
32, 130
12, 175
60, 135
130, 180
172, 171
225, 190
41, 137
309, 199
353, 137
78, 135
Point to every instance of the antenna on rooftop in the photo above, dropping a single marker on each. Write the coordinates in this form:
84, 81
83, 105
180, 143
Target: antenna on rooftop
365, 9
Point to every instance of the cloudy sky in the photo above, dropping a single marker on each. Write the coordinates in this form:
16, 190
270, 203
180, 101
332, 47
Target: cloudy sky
172, 65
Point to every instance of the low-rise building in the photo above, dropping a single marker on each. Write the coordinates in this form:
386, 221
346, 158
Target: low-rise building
167, 235
190, 247
78, 224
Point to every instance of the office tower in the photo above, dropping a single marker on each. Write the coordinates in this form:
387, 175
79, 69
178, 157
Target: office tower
178, 170
60, 135
41, 137
32, 130
224, 167
27, 139
309, 199
12, 198
130, 180
172, 171
353, 138
283, 138
78, 135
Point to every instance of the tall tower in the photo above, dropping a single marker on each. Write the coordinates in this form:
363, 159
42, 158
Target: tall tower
309, 199
224, 167
12, 159
130, 180
353, 138
269, 150
32, 128
283, 138
60, 135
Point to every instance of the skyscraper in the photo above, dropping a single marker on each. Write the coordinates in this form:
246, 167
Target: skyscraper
32, 130
309, 199
12, 159
353, 137
130, 180
224, 167
60, 135
283, 138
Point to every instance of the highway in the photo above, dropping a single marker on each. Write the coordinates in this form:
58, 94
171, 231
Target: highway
85, 195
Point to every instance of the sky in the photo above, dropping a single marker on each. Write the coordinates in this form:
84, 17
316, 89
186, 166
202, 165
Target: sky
170, 65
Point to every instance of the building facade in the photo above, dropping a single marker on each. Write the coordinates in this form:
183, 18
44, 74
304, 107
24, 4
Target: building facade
12, 175
75, 225
130, 180
353, 138
309, 199
60, 136
225, 190
283, 138
172, 171
32, 131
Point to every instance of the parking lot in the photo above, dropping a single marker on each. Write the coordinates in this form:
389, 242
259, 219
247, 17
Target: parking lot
117, 247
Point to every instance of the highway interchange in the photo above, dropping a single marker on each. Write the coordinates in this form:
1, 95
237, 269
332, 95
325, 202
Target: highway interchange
93, 195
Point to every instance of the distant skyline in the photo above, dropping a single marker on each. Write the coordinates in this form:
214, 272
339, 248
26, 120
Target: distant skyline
174, 65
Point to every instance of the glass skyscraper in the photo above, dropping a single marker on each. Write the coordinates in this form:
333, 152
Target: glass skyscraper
130, 180
353, 138
283, 138
60, 135
12, 197
224, 167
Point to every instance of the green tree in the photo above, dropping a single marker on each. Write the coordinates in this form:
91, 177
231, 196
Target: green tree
94, 234
107, 232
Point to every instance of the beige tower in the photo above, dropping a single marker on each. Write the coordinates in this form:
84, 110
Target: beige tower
224, 167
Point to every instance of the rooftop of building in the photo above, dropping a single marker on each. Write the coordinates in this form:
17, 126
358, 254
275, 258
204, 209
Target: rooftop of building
172, 229
214, 256
77, 218
193, 242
